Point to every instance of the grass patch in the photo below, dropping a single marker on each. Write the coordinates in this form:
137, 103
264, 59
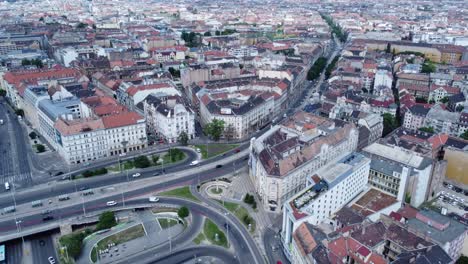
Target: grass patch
118, 238
215, 190
212, 150
241, 213
210, 230
163, 210
183, 192
199, 239
167, 222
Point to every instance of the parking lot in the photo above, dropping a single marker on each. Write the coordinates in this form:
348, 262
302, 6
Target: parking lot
453, 198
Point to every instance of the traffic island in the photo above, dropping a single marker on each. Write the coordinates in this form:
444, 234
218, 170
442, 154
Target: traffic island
211, 234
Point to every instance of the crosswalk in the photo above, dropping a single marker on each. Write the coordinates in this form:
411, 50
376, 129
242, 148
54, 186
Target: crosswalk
19, 180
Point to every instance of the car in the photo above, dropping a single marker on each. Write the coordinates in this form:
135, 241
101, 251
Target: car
154, 199
246, 158
51, 260
135, 175
198, 150
157, 173
59, 173
194, 163
111, 203
47, 218
227, 226
237, 150
46, 212
219, 166
122, 154
82, 188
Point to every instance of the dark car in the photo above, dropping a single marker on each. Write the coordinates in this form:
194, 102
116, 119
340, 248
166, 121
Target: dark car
47, 218
246, 158
237, 150
219, 166
156, 173
83, 188
227, 226
59, 173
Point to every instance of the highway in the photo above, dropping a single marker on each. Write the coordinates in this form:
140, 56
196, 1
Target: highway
53, 190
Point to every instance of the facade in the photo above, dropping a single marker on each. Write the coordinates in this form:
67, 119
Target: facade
283, 158
327, 191
442, 120
242, 115
401, 172
129, 94
168, 117
415, 117
86, 139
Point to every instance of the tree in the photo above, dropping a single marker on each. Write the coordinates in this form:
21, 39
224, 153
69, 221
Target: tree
217, 33
316, 69
74, 242
175, 154
459, 108
427, 129
215, 129
155, 159
19, 112
428, 67
141, 162
40, 148
388, 50
82, 25
464, 135
390, 123
175, 73
183, 138
41, 19
2, 93
33, 135
462, 260
444, 100
207, 34
183, 212
106, 221
421, 100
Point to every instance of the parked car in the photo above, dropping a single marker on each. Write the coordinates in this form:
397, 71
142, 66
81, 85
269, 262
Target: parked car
136, 175
47, 218
194, 163
111, 203
219, 166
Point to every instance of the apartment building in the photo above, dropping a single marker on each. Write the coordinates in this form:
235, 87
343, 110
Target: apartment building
130, 94
328, 190
168, 117
242, 114
283, 158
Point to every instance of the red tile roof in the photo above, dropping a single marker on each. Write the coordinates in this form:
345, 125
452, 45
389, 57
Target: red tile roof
122, 119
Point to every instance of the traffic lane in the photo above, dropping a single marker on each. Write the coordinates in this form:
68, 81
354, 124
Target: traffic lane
186, 254
102, 181
42, 248
98, 204
273, 248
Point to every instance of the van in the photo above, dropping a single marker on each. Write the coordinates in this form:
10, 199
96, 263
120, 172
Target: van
111, 203
7, 186
154, 199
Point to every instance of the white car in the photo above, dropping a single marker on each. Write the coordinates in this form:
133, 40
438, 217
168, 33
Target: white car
198, 150
193, 163
111, 203
136, 175
154, 199
51, 260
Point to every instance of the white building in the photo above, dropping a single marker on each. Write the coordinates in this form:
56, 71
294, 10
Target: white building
167, 118
383, 80
242, 115
283, 158
130, 94
69, 54
327, 191
87, 139
400, 172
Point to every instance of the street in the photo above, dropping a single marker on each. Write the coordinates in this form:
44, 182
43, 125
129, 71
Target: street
42, 248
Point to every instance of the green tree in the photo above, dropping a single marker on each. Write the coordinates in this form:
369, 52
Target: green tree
183, 138
428, 67
388, 49
88, 173
175, 73
215, 129
82, 25
2, 93
207, 34
41, 19
40, 148
316, 69
444, 100
390, 123
464, 135
106, 221
33, 135
155, 159
183, 212
459, 108
462, 260
141, 162
427, 129
175, 154
19, 112
217, 33
74, 242
421, 100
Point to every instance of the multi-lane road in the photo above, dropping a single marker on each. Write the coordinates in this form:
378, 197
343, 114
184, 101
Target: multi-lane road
14, 165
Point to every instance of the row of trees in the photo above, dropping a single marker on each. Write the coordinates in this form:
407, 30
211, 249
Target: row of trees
191, 39
316, 69
336, 29
36, 62
331, 66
